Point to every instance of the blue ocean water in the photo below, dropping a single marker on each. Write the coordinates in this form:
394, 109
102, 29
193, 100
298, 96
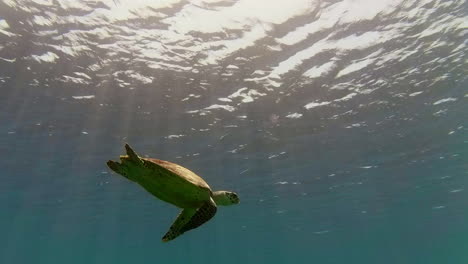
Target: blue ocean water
341, 124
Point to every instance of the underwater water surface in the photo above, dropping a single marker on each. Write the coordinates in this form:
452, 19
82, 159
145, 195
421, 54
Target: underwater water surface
341, 124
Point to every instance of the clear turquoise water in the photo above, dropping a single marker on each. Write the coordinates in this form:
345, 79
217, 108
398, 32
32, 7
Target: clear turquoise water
324, 176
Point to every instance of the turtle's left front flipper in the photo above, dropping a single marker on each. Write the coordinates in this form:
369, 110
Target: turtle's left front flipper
191, 218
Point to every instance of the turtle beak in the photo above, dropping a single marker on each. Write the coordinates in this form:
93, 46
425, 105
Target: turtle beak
235, 198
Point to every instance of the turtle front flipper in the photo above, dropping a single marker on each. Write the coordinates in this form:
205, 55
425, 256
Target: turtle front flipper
191, 218
182, 219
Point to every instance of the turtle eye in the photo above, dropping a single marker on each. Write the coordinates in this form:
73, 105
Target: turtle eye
234, 198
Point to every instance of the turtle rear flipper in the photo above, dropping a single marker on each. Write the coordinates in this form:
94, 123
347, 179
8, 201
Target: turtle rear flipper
117, 168
132, 154
129, 166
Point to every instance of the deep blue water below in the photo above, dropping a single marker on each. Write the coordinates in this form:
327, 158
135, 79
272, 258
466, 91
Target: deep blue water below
341, 124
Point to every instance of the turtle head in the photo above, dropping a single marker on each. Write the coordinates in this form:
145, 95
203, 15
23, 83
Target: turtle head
225, 198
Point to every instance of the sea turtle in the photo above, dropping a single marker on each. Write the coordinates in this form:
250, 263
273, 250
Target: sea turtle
174, 184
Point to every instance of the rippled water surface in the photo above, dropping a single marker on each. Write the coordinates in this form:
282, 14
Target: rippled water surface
342, 125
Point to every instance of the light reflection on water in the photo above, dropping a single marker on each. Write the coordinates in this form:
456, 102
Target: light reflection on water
342, 125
